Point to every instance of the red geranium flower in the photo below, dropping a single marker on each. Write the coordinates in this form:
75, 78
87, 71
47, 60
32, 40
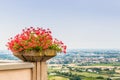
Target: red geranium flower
35, 39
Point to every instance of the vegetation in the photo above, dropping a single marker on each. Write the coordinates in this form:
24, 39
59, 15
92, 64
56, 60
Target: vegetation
57, 78
86, 73
107, 64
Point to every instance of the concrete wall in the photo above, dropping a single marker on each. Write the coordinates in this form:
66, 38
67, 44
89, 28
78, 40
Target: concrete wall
20, 74
23, 70
16, 71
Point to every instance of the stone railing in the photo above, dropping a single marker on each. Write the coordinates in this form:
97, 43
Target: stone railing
12, 70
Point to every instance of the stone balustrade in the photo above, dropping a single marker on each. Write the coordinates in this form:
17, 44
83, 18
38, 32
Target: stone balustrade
12, 70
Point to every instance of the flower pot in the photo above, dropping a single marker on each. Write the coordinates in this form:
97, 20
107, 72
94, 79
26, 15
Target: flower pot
34, 56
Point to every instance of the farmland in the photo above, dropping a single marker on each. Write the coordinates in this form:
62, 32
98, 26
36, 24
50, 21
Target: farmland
84, 72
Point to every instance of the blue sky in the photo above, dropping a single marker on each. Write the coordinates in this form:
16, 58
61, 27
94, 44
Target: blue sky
78, 23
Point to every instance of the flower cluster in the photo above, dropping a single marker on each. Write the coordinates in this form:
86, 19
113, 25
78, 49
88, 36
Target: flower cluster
37, 39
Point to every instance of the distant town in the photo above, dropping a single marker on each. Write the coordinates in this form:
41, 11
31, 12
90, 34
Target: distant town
87, 57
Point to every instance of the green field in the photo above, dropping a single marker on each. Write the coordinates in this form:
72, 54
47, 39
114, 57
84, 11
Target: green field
108, 72
86, 74
56, 78
110, 64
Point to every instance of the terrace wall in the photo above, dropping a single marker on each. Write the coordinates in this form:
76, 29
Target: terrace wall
23, 70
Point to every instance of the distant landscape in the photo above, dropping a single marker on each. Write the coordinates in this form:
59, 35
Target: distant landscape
81, 64
86, 64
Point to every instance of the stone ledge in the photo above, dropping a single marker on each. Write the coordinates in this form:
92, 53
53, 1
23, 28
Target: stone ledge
10, 65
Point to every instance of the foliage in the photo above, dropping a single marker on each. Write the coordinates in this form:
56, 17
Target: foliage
99, 77
37, 39
75, 78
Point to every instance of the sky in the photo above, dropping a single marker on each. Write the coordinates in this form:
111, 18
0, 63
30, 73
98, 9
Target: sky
78, 23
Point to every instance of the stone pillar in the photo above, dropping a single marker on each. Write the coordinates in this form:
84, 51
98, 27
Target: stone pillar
39, 71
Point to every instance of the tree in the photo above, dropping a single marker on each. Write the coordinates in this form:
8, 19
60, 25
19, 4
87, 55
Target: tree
75, 78
99, 77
